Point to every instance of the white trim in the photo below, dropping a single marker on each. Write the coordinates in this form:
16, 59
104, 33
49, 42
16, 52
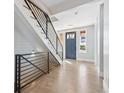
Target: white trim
97, 68
106, 89
101, 74
87, 60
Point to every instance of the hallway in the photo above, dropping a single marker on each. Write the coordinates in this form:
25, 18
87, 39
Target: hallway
71, 77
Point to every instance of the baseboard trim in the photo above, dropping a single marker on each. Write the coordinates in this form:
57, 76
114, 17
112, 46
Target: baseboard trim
106, 89
87, 60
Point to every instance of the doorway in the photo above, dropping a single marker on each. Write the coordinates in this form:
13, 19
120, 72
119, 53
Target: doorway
70, 45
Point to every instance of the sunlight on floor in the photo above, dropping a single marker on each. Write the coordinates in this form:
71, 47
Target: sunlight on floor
67, 61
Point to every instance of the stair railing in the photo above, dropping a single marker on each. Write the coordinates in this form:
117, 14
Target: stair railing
29, 67
47, 27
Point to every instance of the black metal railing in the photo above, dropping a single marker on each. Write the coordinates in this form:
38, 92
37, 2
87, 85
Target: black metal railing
47, 27
29, 67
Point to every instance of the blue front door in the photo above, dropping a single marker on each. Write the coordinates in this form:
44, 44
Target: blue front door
71, 45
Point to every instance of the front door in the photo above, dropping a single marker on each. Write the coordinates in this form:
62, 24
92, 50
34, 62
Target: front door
71, 45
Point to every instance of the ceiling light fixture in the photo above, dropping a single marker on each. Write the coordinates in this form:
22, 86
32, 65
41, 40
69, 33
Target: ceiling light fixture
70, 25
75, 13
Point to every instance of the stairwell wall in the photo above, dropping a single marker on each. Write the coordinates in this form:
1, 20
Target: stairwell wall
25, 40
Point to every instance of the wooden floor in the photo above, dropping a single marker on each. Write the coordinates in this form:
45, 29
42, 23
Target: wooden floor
71, 77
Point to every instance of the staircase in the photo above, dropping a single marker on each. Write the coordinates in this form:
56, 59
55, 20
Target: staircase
42, 25
29, 67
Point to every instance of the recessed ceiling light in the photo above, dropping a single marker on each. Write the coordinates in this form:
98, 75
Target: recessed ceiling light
75, 13
70, 25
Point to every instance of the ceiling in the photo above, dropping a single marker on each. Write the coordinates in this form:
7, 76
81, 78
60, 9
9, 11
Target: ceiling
82, 15
69, 14
56, 6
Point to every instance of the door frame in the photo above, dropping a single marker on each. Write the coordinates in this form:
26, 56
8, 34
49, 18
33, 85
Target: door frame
75, 43
101, 64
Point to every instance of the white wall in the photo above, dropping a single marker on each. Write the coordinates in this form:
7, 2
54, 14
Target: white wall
25, 39
89, 56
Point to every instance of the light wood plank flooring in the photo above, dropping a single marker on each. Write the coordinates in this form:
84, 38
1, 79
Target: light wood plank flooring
71, 77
